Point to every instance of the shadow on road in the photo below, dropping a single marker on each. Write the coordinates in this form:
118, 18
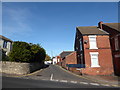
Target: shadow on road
45, 66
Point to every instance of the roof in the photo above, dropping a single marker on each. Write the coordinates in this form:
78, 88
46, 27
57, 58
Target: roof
4, 38
65, 53
115, 26
91, 30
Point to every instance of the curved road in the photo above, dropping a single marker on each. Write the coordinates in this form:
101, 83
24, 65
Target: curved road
51, 77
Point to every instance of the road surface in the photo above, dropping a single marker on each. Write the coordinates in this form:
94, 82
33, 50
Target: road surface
51, 77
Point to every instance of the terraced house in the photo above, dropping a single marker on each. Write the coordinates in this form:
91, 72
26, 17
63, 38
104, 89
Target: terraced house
114, 32
93, 50
67, 57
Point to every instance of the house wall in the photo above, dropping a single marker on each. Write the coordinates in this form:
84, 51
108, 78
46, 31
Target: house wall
8, 47
116, 56
115, 53
60, 61
69, 59
1, 43
55, 60
80, 59
104, 57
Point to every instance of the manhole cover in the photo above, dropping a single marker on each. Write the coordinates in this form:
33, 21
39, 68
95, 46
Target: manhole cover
38, 75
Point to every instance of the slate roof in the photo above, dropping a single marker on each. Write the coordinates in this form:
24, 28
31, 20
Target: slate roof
4, 38
115, 26
91, 30
65, 53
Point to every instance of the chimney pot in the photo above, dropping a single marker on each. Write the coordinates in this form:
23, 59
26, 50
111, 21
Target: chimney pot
100, 24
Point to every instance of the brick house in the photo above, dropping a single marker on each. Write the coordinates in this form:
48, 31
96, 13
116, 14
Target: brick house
67, 57
114, 32
93, 50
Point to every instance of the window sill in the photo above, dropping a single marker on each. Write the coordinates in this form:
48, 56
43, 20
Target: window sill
93, 48
95, 66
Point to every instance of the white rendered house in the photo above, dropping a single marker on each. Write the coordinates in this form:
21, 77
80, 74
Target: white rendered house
54, 60
5, 44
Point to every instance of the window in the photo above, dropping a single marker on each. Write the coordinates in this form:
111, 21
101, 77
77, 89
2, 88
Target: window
80, 44
94, 59
116, 43
5, 44
76, 48
92, 42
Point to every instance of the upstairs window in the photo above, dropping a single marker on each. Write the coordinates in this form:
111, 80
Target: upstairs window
5, 44
116, 43
81, 44
92, 42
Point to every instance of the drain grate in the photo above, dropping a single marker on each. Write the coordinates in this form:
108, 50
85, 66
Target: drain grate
38, 75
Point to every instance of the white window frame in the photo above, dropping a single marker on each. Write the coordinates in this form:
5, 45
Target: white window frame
91, 42
94, 63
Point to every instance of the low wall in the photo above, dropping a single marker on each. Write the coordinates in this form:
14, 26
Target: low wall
98, 71
19, 68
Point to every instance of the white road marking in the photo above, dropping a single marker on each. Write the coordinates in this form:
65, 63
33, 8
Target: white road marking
44, 79
73, 81
95, 84
63, 81
83, 83
55, 80
51, 77
105, 85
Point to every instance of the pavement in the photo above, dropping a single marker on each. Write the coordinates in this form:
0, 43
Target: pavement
103, 79
110, 80
57, 73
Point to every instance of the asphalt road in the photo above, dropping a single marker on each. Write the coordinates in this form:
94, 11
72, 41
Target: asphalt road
54, 72
51, 77
9, 82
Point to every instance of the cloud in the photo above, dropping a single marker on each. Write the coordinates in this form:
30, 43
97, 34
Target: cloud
16, 21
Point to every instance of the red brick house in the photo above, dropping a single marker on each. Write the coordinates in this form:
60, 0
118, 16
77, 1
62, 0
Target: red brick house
114, 32
67, 57
93, 50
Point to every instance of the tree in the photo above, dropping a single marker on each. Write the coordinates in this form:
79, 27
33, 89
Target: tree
47, 58
20, 52
38, 53
25, 52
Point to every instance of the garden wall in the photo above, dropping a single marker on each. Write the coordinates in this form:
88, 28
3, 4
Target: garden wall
19, 68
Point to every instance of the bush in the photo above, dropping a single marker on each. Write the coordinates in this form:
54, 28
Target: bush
4, 56
20, 52
38, 53
47, 58
24, 52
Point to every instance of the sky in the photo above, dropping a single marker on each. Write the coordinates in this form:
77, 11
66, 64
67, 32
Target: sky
53, 24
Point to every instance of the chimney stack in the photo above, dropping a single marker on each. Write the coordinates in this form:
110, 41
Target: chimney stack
100, 24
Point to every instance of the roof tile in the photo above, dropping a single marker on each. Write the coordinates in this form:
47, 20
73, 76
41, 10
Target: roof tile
91, 30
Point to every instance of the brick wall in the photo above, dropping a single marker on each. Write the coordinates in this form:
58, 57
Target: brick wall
115, 53
104, 57
69, 59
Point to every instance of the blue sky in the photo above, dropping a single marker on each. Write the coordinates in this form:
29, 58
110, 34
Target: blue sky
53, 25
